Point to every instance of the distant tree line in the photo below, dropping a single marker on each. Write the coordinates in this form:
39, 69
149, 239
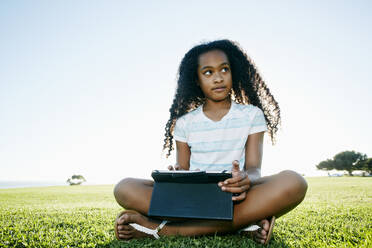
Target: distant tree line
348, 161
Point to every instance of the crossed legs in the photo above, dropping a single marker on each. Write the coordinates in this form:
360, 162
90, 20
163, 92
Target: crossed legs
275, 196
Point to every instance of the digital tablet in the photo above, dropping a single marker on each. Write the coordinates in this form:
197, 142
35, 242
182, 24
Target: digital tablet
190, 194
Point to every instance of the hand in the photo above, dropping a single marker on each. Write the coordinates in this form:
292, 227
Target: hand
177, 167
174, 167
238, 184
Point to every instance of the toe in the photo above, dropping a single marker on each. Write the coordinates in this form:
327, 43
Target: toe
125, 237
127, 227
127, 218
120, 220
266, 225
259, 235
260, 241
124, 232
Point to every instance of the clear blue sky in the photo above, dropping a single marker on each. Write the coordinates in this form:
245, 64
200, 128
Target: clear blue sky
85, 86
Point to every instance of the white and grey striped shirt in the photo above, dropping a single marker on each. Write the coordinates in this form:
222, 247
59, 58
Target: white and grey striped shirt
215, 145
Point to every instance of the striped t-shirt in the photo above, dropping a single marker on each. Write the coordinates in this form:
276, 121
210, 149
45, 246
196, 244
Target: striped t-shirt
214, 145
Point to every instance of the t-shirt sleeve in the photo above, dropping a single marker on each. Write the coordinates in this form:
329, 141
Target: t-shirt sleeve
179, 133
258, 122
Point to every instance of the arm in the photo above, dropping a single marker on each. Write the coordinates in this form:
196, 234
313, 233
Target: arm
253, 157
183, 156
183, 152
242, 180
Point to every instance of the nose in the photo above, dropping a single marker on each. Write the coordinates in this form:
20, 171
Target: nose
218, 78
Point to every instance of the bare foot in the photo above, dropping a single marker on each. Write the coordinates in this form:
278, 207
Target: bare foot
261, 234
124, 229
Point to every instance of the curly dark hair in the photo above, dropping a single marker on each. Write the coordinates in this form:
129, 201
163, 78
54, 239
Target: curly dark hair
248, 87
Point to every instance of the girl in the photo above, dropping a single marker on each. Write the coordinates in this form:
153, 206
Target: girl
218, 118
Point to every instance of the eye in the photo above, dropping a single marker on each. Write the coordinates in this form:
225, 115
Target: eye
225, 69
207, 72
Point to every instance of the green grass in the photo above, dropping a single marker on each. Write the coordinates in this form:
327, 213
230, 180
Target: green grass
337, 212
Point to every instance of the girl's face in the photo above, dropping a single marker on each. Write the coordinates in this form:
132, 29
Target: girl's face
214, 75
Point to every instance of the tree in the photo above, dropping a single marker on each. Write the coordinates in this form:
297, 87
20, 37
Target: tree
365, 165
326, 165
76, 180
347, 160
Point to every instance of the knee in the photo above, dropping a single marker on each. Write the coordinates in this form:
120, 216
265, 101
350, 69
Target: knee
295, 185
122, 192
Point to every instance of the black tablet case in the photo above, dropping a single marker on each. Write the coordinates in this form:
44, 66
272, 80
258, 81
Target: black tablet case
190, 195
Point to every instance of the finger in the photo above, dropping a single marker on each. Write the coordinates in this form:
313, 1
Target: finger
235, 179
240, 189
170, 167
244, 181
177, 167
240, 197
235, 166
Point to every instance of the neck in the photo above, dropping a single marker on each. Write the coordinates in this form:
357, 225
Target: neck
213, 105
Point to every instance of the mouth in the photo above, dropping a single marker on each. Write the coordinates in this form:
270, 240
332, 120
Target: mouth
218, 89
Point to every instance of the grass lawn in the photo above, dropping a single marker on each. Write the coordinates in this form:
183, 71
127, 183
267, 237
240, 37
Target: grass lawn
337, 212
